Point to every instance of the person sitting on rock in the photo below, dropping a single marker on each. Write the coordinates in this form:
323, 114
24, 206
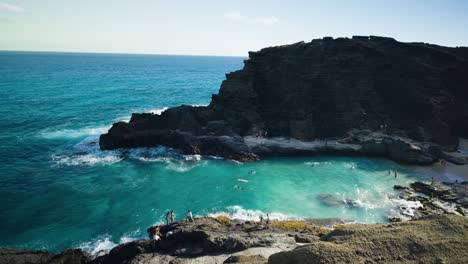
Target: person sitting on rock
189, 216
157, 234
172, 216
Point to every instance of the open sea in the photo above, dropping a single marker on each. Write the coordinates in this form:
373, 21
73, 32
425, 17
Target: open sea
58, 190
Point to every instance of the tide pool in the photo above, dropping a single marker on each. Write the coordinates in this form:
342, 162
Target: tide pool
58, 190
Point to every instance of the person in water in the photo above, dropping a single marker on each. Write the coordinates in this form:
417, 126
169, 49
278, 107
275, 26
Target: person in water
189, 216
172, 216
168, 215
396, 174
389, 172
238, 187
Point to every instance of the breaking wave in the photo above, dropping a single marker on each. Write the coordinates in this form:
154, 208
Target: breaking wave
237, 212
87, 153
157, 111
74, 133
104, 243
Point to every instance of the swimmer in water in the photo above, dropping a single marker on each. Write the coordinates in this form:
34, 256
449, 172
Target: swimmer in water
239, 187
396, 174
251, 172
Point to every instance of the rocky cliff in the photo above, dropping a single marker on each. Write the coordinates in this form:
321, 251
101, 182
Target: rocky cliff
435, 239
364, 96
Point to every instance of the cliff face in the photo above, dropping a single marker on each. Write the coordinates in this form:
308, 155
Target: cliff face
321, 90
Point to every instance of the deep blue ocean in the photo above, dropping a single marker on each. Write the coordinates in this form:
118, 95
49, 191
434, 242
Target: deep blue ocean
58, 190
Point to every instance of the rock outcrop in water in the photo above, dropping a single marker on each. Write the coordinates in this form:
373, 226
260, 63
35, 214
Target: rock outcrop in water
361, 96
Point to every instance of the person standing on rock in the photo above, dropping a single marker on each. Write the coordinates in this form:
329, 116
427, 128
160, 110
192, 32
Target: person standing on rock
268, 219
261, 220
172, 216
189, 216
168, 215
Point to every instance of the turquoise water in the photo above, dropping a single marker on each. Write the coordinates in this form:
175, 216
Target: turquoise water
58, 190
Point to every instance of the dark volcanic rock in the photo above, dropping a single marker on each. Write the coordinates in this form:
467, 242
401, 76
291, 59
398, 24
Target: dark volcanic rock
412, 93
18, 256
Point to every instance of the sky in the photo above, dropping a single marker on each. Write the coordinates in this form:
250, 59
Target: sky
222, 27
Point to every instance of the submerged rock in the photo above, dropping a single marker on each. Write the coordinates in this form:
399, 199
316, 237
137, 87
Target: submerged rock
331, 200
363, 96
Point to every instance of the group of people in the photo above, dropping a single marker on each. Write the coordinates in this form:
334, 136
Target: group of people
266, 220
170, 216
395, 173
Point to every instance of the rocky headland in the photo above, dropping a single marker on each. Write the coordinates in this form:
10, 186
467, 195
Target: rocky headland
370, 96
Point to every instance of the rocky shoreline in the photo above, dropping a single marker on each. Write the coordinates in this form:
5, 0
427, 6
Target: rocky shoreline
437, 231
370, 96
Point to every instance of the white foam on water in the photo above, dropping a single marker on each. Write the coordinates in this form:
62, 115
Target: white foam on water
350, 165
99, 246
405, 209
367, 200
449, 207
87, 152
179, 166
125, 119
316, 163
73, 133
104, 243
157, 111
84, 160
237, 212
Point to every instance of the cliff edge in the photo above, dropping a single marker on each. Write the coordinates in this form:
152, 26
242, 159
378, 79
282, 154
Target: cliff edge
362, 96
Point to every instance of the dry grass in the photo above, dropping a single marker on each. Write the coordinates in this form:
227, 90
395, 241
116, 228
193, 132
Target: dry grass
298, 225
224, 220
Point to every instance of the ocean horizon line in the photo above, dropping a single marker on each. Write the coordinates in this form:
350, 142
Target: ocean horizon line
118, 53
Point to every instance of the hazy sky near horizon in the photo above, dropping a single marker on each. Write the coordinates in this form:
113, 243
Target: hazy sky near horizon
220, 27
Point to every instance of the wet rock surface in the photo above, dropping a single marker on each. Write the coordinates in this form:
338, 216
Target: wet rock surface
362, 96
435, 198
